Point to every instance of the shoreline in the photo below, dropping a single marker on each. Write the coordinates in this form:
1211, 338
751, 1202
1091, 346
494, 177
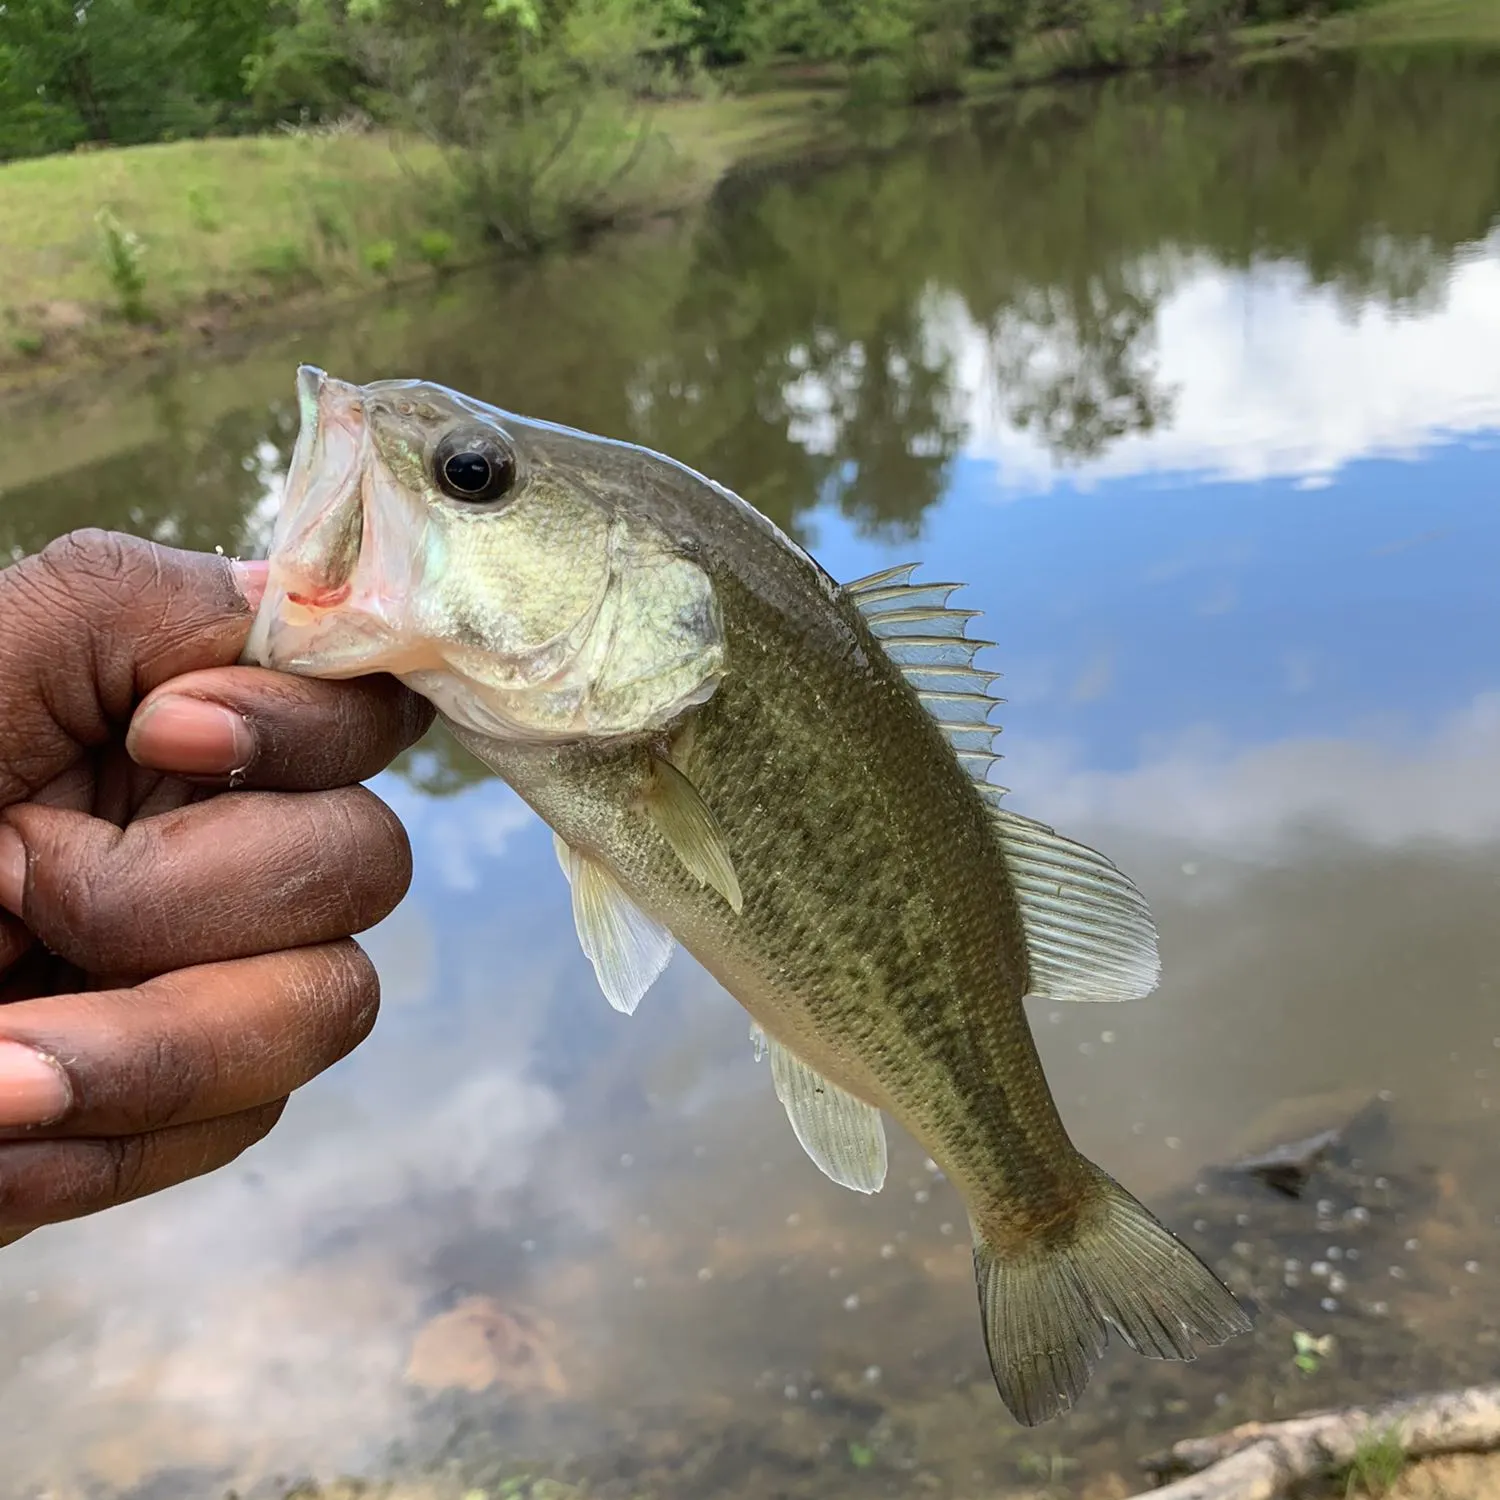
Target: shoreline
212, 287
83, 339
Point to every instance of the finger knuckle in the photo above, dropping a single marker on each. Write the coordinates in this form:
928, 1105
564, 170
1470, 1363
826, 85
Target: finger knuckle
354, 993
92, 558
127, 1161
97, 902
384, 865
21, 1205
364, 858
179, 1069
12, 1205
255, 1125
413, 716
45, 1182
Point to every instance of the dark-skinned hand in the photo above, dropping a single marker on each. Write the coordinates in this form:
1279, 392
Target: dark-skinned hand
185, 853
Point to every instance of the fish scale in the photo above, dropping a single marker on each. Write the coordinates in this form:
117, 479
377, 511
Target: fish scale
786, 777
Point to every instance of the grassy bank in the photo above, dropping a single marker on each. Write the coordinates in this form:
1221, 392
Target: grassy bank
1383, 24
208, 237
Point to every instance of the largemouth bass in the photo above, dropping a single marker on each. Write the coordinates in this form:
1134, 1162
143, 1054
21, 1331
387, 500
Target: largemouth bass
785, 775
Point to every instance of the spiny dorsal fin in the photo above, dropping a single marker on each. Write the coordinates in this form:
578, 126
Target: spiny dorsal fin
1089, 933
627, 948
843, 1135
684, 820
927, 641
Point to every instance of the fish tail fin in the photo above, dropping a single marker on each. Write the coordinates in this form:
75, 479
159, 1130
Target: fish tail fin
1047, 1307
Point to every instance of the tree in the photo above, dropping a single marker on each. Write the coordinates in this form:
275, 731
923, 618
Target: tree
103, 70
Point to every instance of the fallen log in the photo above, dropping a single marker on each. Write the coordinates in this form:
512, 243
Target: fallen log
1262, 1460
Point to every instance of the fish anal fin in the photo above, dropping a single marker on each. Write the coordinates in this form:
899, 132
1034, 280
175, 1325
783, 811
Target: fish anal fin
1047, 1307
627, 948
843, 1135
1089, 932
684, 820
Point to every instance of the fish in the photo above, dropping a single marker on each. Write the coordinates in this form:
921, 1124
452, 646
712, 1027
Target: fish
785, 775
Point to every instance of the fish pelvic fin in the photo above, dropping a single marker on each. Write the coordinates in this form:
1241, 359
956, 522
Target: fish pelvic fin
1048, 1307
627, 948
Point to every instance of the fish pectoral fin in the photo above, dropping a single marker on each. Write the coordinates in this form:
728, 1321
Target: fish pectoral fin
627, 948
1047, 1306
684, 820
1089, 933
843, 1135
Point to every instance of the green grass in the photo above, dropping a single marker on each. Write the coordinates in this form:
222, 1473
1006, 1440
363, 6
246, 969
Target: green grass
229, 225
230, 228
1378, 1461
212, 214
1417, 21
1383, 23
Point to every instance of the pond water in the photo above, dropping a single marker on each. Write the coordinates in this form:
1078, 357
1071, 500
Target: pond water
1198, 386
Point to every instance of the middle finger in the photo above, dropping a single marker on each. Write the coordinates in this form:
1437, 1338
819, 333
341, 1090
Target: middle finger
239, 874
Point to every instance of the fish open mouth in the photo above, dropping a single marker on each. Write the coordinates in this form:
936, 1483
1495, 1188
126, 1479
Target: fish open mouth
321, 598
347, 550
321, 532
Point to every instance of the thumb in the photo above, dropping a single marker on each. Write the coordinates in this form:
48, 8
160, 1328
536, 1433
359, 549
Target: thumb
93, 623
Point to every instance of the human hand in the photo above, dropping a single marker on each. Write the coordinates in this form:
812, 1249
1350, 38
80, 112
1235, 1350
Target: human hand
175, 955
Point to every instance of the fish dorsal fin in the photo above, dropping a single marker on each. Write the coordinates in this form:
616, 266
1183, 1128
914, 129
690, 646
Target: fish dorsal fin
684, 820
843, 1135
926, 639
1089, 933
627, 948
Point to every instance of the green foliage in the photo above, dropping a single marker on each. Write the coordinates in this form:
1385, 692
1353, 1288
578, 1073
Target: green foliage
285, 262
202, 211
436, 247
1379, 1458
1308, 1352
131, 71
121, 72
306, 69
379, 256
792, 341
551, 175
540, 109
124, 263
1049, 1469
28, 344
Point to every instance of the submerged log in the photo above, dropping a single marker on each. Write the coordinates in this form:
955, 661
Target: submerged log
1263, 1460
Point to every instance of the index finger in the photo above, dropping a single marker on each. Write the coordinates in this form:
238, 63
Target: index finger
276, 732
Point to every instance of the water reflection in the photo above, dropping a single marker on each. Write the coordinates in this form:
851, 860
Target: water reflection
1229, 362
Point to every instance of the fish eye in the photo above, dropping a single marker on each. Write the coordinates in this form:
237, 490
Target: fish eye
473, 467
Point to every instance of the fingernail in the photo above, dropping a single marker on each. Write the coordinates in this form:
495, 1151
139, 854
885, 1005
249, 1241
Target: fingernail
190, 736
250, 579
34, 1090
12, 869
